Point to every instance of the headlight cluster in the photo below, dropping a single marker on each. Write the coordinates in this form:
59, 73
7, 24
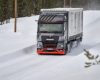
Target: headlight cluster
39, 38
61, 38
60, 45
39, 45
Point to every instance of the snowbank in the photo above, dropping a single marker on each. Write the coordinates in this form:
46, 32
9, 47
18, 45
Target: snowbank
25, 36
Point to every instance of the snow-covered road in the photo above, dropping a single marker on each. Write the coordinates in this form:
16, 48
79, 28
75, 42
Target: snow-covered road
32, 66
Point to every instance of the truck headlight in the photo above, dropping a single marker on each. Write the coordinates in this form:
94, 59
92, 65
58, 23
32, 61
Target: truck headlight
39, 45
61, 38
39, 38
60, 45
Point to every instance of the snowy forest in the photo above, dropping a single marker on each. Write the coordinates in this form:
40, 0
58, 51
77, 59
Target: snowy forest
30, 7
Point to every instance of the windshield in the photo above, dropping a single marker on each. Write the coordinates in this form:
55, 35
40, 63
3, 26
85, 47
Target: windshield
57, 28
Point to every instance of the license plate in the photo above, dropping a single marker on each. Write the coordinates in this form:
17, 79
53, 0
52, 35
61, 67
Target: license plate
50, 49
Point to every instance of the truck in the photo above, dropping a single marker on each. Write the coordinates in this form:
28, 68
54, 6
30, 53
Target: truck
59, 29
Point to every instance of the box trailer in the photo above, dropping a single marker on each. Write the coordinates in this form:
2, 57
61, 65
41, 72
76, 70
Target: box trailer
59, 29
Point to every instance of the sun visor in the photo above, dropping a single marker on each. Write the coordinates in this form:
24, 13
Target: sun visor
51, 19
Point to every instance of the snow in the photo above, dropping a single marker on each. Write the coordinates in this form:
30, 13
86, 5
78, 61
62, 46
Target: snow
19, 61
25, 36
91, 28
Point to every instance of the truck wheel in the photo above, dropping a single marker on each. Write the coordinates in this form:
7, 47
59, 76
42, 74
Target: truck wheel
78, 41
81, 39
68, 48
65, 50
71, 44
74, 44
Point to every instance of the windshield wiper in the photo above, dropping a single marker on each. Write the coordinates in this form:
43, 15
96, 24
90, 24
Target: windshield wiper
43, 31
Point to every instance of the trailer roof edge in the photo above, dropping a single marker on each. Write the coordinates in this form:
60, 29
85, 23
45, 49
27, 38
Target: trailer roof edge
62, 9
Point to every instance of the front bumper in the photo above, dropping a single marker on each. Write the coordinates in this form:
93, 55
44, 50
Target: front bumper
55, 51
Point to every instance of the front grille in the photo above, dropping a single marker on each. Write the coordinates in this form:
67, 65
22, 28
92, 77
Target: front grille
50, 45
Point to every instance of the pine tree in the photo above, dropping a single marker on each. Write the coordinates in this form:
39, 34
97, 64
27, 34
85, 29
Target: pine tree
93, 59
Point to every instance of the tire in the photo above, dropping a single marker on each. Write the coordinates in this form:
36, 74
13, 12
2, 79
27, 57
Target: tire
77, 42
74, 44
65, 49
81, 39
69, 46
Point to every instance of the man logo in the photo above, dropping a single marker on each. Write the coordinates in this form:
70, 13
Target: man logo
50, 39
